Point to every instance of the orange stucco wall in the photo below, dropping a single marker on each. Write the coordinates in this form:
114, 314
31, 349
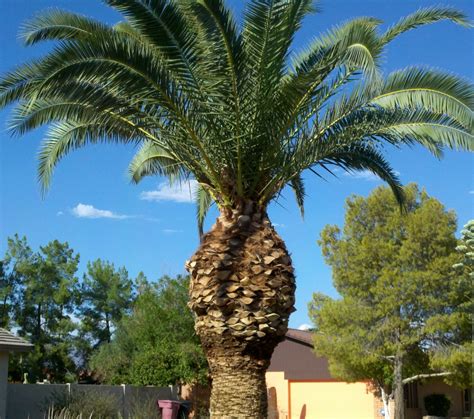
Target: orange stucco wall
278, 405
330, 400
318, 400
339, 400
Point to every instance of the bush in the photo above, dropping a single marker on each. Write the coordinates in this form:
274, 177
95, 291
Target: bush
144, 409
148, 411
63, 414
85, 404
437, 405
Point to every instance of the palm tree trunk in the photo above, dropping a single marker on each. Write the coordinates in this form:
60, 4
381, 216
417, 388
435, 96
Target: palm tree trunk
238, 386
242, 292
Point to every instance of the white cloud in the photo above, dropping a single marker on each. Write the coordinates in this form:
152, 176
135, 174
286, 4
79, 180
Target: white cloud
362, 175
304, 326
359, 174
365, 175
183, 192
88, 211
59, 213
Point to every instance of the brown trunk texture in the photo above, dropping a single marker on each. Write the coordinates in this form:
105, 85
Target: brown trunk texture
242, 292
399, 402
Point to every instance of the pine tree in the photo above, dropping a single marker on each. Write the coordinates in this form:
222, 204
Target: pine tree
393, 271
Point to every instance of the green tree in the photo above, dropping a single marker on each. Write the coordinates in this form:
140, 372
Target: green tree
455, 326
219, 102
8, 287
394, 274
156, 344
106, 294
45, 302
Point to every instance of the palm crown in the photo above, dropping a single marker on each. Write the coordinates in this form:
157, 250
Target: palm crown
232, 106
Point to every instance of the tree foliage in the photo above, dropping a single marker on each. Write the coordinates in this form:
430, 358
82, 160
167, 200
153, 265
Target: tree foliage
106, 294
136, 332
454, 327
72, 322
44, 304
394, 274
8, 286
65, 318
156, 343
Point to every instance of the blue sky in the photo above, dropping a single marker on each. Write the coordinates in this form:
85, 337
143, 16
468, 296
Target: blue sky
151, 227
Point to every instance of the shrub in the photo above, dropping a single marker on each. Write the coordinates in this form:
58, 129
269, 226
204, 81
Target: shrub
437, 405
144, 409
64, 414
85, 404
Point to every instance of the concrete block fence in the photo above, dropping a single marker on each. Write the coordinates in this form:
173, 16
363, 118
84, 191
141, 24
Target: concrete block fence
30, 401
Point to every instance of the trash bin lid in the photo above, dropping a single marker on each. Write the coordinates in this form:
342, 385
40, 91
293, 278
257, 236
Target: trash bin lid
168, 403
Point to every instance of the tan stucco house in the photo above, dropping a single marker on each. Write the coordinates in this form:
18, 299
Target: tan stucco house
301, 387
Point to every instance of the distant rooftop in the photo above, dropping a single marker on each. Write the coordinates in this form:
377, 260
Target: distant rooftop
10, 342
303, 336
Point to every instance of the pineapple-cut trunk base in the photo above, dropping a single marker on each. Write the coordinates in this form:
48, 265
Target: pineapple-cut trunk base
242, 293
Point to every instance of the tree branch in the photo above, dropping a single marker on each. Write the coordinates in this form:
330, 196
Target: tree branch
420, 376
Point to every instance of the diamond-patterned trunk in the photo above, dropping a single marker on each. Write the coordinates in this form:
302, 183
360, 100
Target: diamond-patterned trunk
242, 291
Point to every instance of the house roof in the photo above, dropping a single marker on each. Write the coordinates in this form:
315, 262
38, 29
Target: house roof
296, 359
10, 342
302, 336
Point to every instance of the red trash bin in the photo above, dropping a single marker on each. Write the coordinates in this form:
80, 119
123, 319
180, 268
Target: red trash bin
169, 408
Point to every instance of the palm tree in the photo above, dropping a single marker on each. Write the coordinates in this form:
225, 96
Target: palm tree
223, 104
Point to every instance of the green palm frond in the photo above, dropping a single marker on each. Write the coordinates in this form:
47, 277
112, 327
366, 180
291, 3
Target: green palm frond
221, 36
425, 16
153, 159
409, 95
204, 201
264, 40
356, 42
162, 23
15, 84
350, 47
208, 99
435, 90
59, 25
297, 184
269, 27
360, 157
432, 135
398, 126
64, 105
64, 137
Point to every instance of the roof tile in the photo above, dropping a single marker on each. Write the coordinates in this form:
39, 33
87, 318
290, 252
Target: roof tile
10, 342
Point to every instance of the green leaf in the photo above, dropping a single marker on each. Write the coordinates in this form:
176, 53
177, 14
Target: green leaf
204, 201
425, 16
